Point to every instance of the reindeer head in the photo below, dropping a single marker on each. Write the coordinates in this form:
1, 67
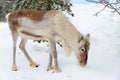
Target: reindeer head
81, 49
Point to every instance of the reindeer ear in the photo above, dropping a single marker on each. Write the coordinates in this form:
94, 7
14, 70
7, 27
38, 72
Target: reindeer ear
87, 37
80, 38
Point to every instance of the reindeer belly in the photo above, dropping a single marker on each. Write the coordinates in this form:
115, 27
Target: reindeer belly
32, 34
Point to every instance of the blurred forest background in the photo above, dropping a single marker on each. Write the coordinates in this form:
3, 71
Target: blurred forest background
7, 6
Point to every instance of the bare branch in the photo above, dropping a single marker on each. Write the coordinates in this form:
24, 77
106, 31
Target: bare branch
93, 1
107, 4
99, 11
116, 10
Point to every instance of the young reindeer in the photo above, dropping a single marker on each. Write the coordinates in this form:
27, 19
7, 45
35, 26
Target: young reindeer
52, 26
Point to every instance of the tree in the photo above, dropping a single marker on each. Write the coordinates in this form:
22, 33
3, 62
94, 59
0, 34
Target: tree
114, 6
2, 18
5, 7
12, 5
1, 12
63, 5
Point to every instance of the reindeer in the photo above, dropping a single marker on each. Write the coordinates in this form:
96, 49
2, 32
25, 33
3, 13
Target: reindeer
52, 26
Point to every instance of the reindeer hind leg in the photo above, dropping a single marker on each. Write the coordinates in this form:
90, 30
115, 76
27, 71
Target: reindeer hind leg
15, 38
22, 47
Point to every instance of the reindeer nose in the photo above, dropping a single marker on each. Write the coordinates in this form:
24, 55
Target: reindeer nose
82, 63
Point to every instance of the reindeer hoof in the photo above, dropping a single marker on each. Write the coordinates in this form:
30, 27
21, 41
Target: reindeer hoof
58, 70
14, 68
33, 64
49, 68
37, 66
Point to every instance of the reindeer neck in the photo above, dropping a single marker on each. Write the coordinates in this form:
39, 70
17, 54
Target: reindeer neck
72, 35
66, 29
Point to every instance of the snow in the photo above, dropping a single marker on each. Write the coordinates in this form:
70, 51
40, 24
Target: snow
104, 56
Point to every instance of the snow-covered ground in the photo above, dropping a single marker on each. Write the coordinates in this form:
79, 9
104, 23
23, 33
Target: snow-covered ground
104, 54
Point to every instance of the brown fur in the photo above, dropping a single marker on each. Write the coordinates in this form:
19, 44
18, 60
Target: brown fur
83, 57
32, 14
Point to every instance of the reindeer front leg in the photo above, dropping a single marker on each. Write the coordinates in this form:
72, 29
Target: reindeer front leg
50, 63
22, 47
53, 51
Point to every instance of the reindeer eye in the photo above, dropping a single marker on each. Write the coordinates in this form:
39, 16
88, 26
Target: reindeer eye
83, 49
